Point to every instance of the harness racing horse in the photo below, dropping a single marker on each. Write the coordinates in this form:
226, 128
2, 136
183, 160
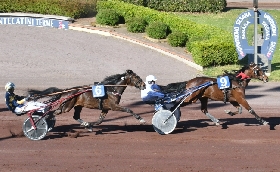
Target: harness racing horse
235, 94
115, 85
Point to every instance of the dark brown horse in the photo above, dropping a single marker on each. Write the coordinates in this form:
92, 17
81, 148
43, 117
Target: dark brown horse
235, 94
79, 97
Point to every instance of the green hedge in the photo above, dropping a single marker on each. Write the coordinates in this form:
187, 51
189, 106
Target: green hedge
182, 5
108, 17
213, 52
177, 39
157, 30
69, 8
199, 36
136, 25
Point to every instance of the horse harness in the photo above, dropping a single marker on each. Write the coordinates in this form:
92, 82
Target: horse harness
116, 93
227, 91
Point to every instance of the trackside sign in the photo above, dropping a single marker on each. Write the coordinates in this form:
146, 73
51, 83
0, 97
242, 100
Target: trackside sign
270, 33
39, 22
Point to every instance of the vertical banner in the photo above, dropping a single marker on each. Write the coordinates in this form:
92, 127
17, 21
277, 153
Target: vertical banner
270, 33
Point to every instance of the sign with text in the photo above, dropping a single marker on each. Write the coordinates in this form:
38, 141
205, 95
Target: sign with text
270, 33
39, 22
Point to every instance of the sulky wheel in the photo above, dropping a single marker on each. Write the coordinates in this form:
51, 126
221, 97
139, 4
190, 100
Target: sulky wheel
164, 122
40, 131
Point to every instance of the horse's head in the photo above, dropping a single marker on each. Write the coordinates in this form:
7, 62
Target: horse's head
133, 79
254, 71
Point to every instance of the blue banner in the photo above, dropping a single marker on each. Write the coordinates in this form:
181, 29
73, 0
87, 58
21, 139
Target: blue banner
39, 22
270, 33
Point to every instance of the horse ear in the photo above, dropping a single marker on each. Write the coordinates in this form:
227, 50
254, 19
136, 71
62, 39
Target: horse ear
129, 72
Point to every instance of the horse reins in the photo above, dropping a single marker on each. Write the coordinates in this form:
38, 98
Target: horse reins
89, 88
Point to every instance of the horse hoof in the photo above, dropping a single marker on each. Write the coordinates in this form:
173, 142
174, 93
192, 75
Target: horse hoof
265, 123
85, 124
89, 129
142, 122
229, 112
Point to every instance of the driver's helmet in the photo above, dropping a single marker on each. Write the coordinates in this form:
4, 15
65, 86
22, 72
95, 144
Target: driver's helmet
150, 78
9, 85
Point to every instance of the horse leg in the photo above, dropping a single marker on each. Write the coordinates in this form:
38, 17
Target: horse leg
101, 117
65, 107
77, 115
245, 104
204, 103
124, 109
257, 117
142, 121
58, 111
239, 108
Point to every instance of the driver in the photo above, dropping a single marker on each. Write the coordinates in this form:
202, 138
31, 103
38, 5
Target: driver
19, 104
152, 92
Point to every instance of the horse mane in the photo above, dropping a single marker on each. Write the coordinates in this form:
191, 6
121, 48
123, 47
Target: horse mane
113, 79
176, 87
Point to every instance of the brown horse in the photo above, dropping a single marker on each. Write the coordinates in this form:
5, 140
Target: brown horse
235, 94
79, 97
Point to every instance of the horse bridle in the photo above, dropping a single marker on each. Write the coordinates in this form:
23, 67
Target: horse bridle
256, 73
136, 83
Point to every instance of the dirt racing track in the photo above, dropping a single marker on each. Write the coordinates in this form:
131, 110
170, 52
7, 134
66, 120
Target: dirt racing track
39, 58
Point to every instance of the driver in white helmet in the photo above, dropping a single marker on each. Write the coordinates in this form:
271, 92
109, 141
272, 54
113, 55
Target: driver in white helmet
19, 104
153, 93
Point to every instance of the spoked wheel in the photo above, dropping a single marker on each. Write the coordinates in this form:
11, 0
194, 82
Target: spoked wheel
164, 122
40, 131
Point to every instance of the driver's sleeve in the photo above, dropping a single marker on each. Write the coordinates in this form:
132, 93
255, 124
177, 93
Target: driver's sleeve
156, 94
155, 87
8, 103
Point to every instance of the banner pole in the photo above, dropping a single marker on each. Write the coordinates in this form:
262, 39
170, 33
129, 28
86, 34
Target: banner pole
255, 4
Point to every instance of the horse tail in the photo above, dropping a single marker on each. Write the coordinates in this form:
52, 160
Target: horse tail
37, 94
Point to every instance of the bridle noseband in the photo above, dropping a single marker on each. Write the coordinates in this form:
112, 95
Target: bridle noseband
136, 83
256, 73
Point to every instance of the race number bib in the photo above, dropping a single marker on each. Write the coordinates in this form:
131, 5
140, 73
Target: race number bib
98, 91
223, 82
